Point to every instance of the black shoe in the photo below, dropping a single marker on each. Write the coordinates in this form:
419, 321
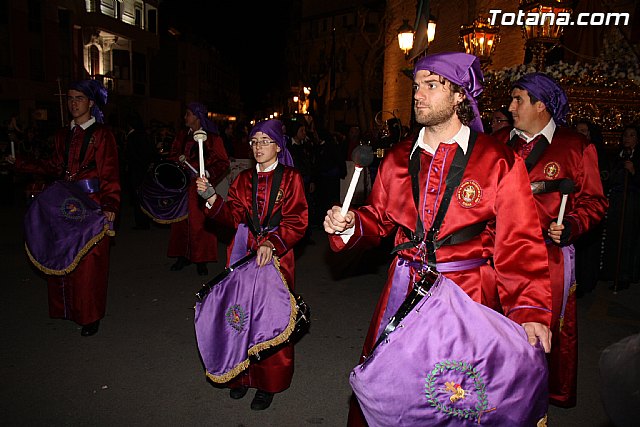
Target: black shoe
238, 392
622, 285
261, 401
202, 269
181, 263
90, 329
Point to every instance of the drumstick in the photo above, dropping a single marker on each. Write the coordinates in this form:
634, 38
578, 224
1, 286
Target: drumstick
566, 187
183, 159
200, 136
362, 155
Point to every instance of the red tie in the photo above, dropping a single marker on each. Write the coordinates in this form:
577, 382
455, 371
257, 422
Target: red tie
523, 148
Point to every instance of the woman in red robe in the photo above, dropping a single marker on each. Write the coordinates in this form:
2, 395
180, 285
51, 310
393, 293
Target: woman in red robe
268, 230
191, 240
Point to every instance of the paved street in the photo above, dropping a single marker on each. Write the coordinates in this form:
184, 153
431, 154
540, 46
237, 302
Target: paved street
143, 368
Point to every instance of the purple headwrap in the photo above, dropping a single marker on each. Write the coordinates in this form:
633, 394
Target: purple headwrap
461, 69
96, 92
273, 128
200, 111
549, 92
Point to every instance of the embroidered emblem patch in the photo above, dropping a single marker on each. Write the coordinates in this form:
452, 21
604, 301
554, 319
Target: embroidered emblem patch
551, 170
73, 208
236, 317
280, 195
469, 193
456, 389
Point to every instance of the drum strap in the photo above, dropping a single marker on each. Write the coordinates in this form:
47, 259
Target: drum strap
536, 152
253, 221
88, 132
419, 290
454, 176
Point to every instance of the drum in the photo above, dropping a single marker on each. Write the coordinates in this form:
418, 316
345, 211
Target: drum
245, 314
450, 362
164, 192
61, 225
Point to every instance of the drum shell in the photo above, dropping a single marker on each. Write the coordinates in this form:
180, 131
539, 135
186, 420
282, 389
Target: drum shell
164, 192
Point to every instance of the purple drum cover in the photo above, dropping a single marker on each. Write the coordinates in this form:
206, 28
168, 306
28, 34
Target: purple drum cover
249, 311
60, 226
453, 362
164, 193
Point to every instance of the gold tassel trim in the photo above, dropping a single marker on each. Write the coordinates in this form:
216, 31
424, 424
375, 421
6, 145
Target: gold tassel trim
76, 260
163, 221
572, 290
280, 339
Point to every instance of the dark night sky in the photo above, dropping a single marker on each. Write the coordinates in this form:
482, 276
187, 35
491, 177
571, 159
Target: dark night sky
245, 33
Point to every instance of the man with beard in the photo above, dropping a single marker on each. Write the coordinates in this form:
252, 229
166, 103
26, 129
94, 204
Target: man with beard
488, 215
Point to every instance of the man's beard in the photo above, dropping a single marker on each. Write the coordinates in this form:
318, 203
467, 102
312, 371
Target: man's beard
435, 116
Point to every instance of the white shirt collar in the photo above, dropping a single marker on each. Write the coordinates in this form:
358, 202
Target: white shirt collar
84, 125
461, 138
269, 169
547, 131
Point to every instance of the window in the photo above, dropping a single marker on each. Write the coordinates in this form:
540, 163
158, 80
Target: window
94, 60
138, 15
152, 21
121, 65
35, 16
108, 7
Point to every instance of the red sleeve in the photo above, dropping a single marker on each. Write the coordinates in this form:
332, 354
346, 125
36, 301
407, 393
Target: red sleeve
295, 215
231, 212
588, 202
108, 171
520, 255
217, 161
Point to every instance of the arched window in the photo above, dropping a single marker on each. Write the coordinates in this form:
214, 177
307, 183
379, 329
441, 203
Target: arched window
94, 60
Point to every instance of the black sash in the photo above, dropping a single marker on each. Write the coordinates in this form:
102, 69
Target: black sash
535, 153
253, 220
454, 176
88, 132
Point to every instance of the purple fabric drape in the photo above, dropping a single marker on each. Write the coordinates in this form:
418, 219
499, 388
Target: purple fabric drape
61, 225
250, 310
453, 362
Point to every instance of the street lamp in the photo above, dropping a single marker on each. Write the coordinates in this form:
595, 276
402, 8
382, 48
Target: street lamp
405, 37
480, 39
544, 31
424, 27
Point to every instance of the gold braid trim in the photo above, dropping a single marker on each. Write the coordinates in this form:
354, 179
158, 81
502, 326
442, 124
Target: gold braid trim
225, 378
163, 221
572, 290
76, 260
280, 339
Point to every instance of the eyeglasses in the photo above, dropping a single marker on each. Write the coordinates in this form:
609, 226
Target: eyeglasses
260, 142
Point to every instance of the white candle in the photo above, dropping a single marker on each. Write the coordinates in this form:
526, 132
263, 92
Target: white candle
201, 157
13, 150
200, 136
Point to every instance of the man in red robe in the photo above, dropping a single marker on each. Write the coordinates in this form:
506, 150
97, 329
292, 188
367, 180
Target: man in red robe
191, 239
273, 230
552, 153
490, 215
85, 153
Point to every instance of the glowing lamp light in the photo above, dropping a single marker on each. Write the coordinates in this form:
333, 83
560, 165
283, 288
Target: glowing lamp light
405, 36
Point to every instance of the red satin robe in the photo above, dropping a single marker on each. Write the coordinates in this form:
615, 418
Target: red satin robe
191, 238
494, 188
81, 295
568, 156
274, 373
